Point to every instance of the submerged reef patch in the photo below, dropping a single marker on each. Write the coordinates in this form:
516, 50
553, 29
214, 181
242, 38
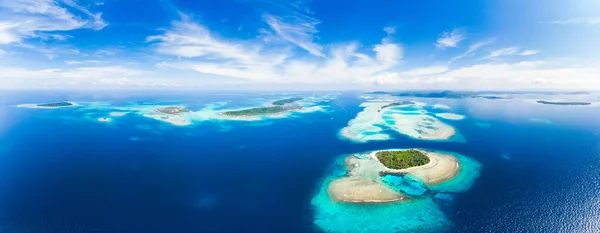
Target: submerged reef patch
407, 118
181, 115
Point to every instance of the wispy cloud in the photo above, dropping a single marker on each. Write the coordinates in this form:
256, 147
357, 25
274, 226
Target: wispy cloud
429, 70
390, 30
496, 76
296, 29
510, 51
40, 18
450, 39
529, 52
79, 62
199, 50
589, 21
472, 49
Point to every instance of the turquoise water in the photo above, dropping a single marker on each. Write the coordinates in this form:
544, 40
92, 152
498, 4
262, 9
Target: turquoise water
420, 214
467, 175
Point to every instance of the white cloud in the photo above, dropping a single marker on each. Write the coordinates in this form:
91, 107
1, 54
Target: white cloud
390, 30
79, 62
450, 39
510, 51
529, 52
199, 50
502, 52
74, 77
498, 76
39, 18
422, 71
472, 49
296, 29
589, 21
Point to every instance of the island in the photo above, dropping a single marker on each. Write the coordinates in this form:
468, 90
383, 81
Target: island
378, 93
286, 101
363, 182
563, 103
442, 94
260, 111
278, 106
172, 110
56, 105
492, 97
104, 119
397, 104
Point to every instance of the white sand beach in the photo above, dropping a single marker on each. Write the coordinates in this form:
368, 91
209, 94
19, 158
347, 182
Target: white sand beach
450, 116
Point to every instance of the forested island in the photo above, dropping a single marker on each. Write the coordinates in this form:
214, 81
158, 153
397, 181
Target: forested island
279, 106
492, 97
286, 101
172, 110
379, 93
563, 103
55, 105
261, 111
398, 104
401, 159
426, 94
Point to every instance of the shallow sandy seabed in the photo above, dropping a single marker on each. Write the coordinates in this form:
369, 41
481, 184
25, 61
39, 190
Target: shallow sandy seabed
364, 183
420, 214
362, 190
441, 106
118, 114
450, 116
540, 120
211, 111
371, 123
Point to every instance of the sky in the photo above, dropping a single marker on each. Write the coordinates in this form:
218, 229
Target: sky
304, 44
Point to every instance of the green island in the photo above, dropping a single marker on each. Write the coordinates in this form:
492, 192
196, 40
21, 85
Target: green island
286, 101
398, 104
401, 159
260, 111
563, 103
172, 110
55, 105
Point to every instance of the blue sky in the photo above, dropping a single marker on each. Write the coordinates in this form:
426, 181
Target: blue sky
319, 44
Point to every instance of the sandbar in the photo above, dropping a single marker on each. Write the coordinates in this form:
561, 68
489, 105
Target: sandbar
441, 106
450, 116
104, 119
362, 190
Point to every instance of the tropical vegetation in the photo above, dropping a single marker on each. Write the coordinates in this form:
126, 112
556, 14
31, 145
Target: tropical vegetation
401, 159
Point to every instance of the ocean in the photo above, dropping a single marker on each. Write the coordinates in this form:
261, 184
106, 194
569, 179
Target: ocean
63, 171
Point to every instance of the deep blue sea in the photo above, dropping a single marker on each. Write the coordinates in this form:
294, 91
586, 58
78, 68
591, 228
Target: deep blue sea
62, 172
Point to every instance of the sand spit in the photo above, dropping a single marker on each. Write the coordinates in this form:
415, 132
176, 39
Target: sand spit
362, 190
450, 116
